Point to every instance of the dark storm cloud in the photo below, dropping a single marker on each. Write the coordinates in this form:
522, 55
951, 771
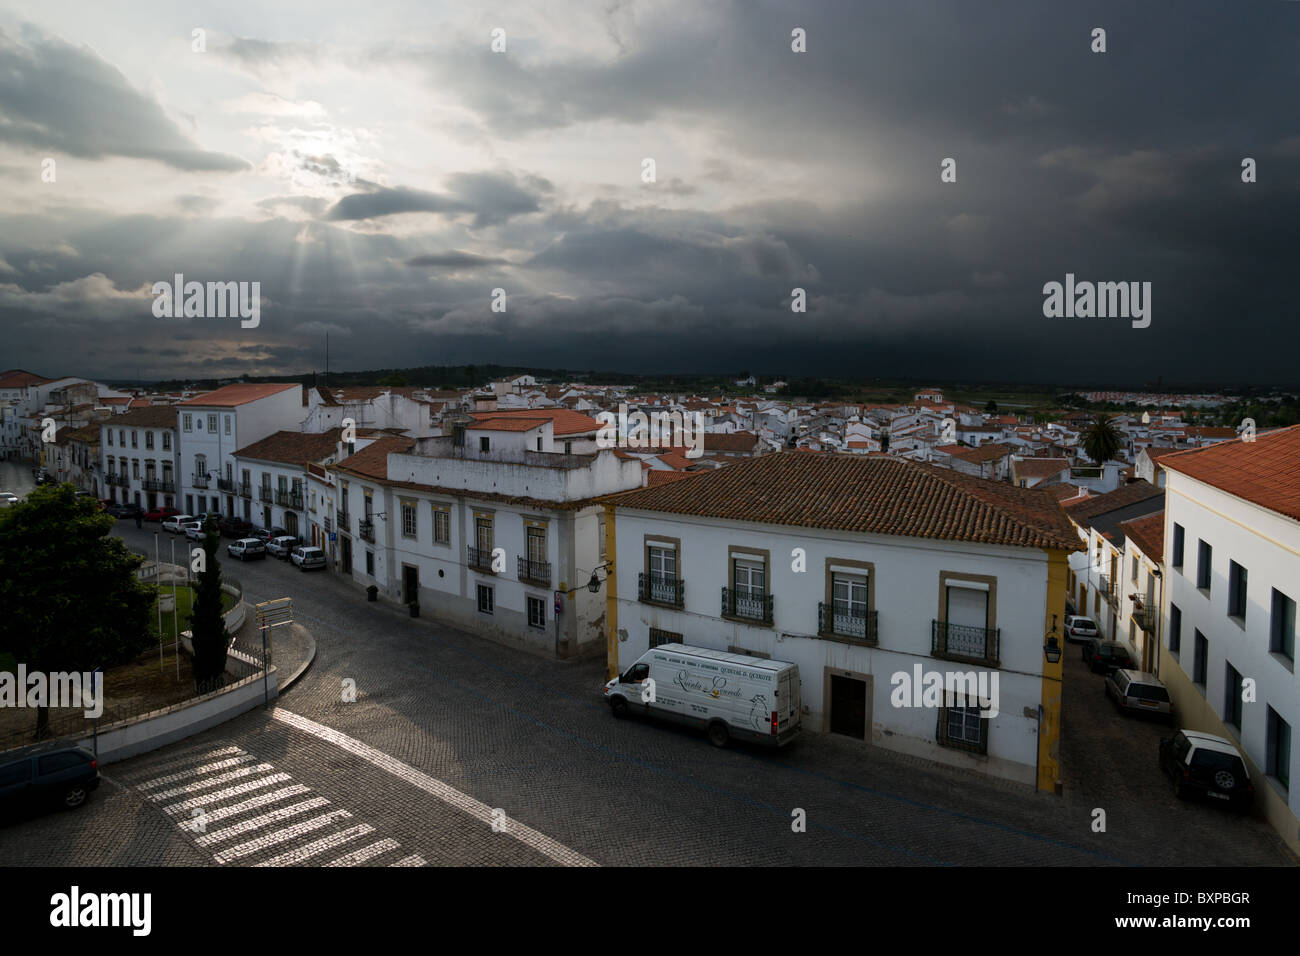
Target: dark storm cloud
54, 96
454, 259
492, 198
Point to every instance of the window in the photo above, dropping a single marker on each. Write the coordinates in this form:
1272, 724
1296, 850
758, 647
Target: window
148, 441
536, 612
1133, 571
109, 432
1278, 744
1236, 591
135, 438
227, 423
537, 544
187, 422
658, 637
485, 598
441, 524
121, 437
1175, 628
1282, 626
662, 578
167, 441
135, 467
748, 577
963, 728
850, 604
212, 424
1178, 546
56, 762
1231, 696
600, 534
484, 443
408, 519
539, 442
370, 563
568, 448
483, 533
1204, 554
1200, 653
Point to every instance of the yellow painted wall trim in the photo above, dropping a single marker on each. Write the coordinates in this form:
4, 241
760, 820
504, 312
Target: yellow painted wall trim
611, 596
1049, 729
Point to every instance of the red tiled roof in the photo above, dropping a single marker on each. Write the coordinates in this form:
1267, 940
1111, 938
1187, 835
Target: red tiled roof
1040, 467
990, 451
293, 448
567, 422
874, 494
18, 378
507, 424
230, 396
1148, 532
372, 461
1265, 471
1121, 497
150, 416
659, 477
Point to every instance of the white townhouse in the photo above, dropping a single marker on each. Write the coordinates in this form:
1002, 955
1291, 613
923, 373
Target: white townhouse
1142, 588
140, 453
74, 457
1096, 572
1232, 550
271, 477
867, 572
214, 425
481, 529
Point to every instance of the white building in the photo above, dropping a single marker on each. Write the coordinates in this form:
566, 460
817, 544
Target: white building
859, 570
140, 455
271, 477
1232, 550
213, 426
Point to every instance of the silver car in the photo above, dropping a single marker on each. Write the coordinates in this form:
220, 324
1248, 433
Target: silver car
281, 546
306, 557
194, 530
246, 548
1139, 693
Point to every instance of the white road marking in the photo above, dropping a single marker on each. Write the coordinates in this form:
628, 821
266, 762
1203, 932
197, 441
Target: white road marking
211, 782
319, 846
366, 853
444, 792
416, 860
256, 823
220, 795
280, 836
194, 753
195, 771
275, 796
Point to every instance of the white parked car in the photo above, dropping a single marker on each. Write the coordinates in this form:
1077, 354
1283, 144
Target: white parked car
305, 557
281, 546
246, 548
1080, 628
176, 523
8, 498
194, 530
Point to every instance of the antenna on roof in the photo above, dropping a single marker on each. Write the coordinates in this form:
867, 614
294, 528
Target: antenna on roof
327, 356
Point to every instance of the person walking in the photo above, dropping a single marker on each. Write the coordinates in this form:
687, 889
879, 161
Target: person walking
138, 522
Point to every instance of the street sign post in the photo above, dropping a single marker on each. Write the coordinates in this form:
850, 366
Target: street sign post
276, 613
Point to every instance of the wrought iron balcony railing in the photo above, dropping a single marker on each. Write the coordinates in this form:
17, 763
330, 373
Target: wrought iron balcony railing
535, 572
226, 484
295, 500
747, 604
366, 529
245, 489
480, 558
329, 524
264, 494
344, 519
964, 642
1145, 618
660, 589
281, 496
200, 481
844, 620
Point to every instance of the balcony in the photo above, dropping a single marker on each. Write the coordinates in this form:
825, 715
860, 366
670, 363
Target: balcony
245, 489
964, 643
747, 604
264, 494
199, 481
282, 496
113, 478
535, 572
155, 484
480, 559
660, 589
850, 621
295, 500
1105, 588
329, 524
345, 521
366, 530
1145, 618
226, 485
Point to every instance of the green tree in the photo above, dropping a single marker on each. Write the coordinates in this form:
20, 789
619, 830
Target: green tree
1101, 440
991, 407
394, 379
207, 626
70, 596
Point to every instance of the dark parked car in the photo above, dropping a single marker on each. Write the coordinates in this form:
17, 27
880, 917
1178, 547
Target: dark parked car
46, 775
1104, 656
235, 527
267, 536
1202, 765
125, 511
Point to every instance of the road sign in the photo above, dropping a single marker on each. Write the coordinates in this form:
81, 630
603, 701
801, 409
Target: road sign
333, 536
274, 613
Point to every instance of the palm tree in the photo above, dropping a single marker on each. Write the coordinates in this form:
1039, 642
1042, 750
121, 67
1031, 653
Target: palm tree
1101, 440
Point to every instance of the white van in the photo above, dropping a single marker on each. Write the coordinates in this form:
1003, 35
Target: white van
730, 695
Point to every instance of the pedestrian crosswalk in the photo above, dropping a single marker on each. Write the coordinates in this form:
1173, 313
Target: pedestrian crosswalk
266, 818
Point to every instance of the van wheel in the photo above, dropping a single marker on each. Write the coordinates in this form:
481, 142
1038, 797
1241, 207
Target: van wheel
718, 735
74, 797
618, 706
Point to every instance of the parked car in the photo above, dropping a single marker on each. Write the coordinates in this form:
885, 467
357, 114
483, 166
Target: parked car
194, 530
1080, 628
8, 498
1203, 765
125, 510
305, 556
269, 535
159, 514
281, 546
1104, 656
176, 523
1070, 609
232, 527
761, 703
1139, 693
46, 775
246, 548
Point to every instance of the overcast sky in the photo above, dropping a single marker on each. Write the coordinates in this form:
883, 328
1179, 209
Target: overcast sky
380, 170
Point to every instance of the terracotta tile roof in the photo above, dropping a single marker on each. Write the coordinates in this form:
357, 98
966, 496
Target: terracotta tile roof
293, 448
507, 424
1265, 471
231, 396
875, 494
1206, 431
372, 461
659, 477
1064, 491
567, 422
735, 441
18, 378
1040, 467
1154, 453
1121, 497
1148, 533
150, 416
676, 460
990, 451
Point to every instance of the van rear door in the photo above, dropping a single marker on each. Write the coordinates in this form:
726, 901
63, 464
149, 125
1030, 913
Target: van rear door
788, 705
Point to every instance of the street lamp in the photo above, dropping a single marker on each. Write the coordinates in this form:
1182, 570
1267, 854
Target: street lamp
1052, 646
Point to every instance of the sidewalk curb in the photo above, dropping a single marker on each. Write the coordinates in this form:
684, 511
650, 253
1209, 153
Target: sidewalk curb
302, 669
